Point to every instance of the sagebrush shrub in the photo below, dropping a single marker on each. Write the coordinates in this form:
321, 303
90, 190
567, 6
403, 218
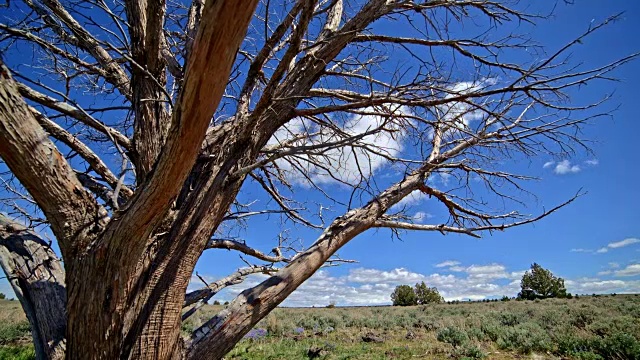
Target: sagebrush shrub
453, 336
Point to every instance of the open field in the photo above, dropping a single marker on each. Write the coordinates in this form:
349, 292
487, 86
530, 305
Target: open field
588, 327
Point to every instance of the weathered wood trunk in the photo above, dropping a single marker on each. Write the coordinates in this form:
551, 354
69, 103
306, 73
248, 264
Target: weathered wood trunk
126, 276
37, 277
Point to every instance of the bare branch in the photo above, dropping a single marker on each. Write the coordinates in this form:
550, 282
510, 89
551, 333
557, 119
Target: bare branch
73, 213
76, 113
245, 249
114, 72
75, 144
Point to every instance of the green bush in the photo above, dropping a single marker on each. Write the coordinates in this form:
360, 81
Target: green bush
588, 355
470, 352
20, 352
453, 336
14, 331
493, 330
476, 333
525, 338
570, 344
608, 326
509, 319
582, 317
619, 346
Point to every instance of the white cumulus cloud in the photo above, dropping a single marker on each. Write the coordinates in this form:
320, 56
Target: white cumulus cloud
366, 286
630, 270
565, 167
344, 163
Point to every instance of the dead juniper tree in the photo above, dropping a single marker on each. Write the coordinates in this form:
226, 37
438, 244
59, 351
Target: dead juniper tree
127, 129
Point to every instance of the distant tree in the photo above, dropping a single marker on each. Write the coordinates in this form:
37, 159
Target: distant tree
427, 295
404, 295
216, 302
540, 283
2, 296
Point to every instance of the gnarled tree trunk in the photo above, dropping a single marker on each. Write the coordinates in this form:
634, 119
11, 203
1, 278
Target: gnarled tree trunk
130, 249
37, 277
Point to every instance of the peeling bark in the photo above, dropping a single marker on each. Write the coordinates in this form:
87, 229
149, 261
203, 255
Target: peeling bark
37, 277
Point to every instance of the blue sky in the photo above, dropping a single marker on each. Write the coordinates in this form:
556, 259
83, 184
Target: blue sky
594, 243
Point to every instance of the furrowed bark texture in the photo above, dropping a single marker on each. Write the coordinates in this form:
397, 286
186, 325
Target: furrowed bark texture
129, 289
146, 18
37, 277
74, 216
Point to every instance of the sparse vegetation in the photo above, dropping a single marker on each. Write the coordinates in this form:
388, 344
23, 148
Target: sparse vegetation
592, 328
603, 327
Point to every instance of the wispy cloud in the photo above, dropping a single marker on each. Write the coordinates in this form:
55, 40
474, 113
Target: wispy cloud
618, 244
447, 263
580, 250
565, 167
548, 163
344, 164
592, 162
605, 249
623, 243
630, 270
421, 216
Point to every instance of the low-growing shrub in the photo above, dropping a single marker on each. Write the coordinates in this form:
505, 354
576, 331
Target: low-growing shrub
582, 317
509, 319
19, 352
476, 333
588, 355
453, 336
525, 338
618, 346
14, 331
571, 344
470, 352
